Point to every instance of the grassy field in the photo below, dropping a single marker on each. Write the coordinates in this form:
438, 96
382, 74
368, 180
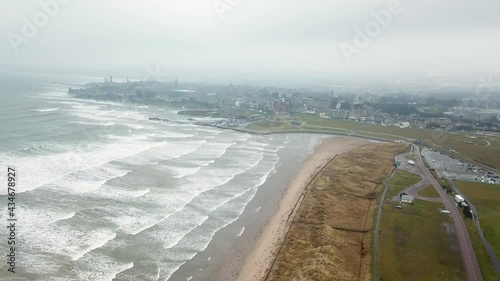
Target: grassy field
482, 149
429, 191
400, 181
321, 244
487, 269
271, 126
312, 127
486, 198
418, 243
410, 157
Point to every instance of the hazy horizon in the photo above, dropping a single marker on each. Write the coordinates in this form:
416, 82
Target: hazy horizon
222, 40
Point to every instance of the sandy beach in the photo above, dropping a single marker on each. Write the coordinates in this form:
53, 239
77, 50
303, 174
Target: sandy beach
260, 259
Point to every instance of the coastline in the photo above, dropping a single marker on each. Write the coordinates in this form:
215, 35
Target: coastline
260, 259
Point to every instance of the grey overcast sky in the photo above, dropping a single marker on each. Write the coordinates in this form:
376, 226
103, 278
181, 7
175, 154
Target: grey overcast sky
289, 36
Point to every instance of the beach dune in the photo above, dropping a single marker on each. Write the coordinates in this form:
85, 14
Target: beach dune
259, 261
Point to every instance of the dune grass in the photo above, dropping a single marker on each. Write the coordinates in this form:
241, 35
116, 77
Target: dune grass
326, 241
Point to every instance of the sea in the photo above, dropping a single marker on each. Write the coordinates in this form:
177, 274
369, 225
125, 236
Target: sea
104, 193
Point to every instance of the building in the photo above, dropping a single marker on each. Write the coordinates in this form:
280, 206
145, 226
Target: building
480, 116
438, 122
407, 199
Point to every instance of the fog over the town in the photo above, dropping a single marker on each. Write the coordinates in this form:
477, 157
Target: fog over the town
199, 39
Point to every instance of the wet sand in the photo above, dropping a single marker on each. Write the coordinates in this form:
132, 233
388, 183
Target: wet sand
257, 263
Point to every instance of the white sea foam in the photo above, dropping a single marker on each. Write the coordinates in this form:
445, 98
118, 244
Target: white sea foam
90, 123
178, 225
99, 267
230, 212
65, 217
66, 102
46, 169
46, 110
241, 232
209, 178
163, 151
158, 274
66, 238
195, 243
175, 135
41, 216
55, 94
39, 264
96, 112
112, 275
199, 183
88, 180
214, 200
216, 149
98, 243
112, 192
239, 166
132, 220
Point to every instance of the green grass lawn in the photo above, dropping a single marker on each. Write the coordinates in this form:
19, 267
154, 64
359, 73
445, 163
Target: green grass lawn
312, 127
271, 126
487, 269
415, 244
410, 157
474, 148
400, 181
429, 191
486, 198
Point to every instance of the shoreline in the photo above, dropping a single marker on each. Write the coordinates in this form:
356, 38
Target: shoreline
258, 263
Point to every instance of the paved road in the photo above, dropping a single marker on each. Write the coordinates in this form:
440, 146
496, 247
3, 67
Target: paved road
414, 189
416, 169
487, 246
464, 243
